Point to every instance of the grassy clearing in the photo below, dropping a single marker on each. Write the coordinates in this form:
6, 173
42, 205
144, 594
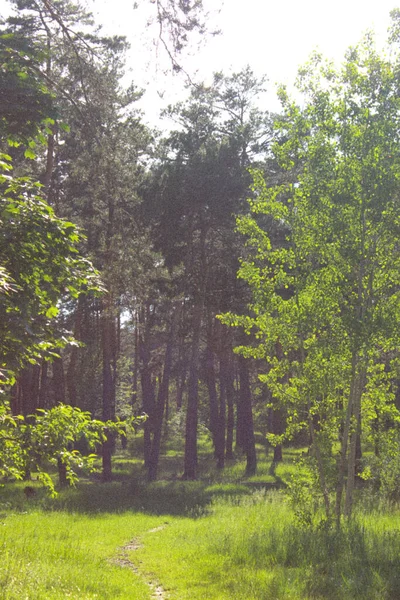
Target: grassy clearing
218, 538
57, 555
251, 549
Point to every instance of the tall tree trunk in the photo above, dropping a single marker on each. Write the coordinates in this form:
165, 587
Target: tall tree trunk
59, 398
16, 398
58, 381
135, 376
358, 468
71, 371
358, 371
246, 416
345, 438
212, 391
147, 385
29, 385
160, 407
190, 459
43, 400
352, 460
278, 427
230, 399
182, 363
50, 152
109, 358
181, 384
220, 438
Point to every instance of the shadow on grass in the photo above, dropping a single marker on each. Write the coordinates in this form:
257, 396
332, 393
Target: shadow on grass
178, 498
129, 490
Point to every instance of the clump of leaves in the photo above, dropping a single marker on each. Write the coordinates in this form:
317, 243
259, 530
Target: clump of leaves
46, 438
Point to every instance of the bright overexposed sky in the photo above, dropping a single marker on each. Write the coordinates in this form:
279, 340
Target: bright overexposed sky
274, 38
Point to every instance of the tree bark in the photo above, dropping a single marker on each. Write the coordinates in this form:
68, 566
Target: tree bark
182, 364
109, 373
135, 377
71, 371
345, 438
351, 466
62, 473
148, 391
43, 391
220, 439
161, 405
190, 459
212, 392
277, 422
58, 381
246, 416
230, 398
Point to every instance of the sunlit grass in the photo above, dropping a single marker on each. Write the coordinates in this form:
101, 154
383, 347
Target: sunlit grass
223, 536
251, 548
49, 556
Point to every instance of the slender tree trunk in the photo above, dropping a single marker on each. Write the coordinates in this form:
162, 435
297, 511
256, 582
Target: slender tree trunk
278, 427
71, 371
351, 466
318, 457
358, 372
62, 473
190, 459
50, 152
58, 381
135, 363
46, 180
358, 448
148, 391
246, 415
220, 439
160, 408
42, 400
182, 362
180, 385
212, 393
345, 439
29, 384
230, 398
59, 397
16, 398
108, 344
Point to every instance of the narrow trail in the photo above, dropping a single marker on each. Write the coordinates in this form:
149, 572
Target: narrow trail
123, 561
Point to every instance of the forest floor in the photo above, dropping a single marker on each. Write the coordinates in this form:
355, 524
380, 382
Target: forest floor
221, 537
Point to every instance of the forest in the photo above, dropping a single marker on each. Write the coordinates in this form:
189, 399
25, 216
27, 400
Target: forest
199, 328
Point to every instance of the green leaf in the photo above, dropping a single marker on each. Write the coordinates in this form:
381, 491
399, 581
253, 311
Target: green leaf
29, 153
52, 312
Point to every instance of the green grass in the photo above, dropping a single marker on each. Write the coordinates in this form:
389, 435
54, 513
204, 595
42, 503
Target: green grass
249, 548
214, 539
61, 555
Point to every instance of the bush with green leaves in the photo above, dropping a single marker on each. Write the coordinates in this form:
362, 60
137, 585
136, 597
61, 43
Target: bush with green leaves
40, 266
33, 444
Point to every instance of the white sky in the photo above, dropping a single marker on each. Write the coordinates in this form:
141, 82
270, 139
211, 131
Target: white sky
273, 37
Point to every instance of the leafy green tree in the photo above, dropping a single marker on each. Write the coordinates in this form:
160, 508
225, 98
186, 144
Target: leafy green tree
41, 265
26, 105
325, 291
